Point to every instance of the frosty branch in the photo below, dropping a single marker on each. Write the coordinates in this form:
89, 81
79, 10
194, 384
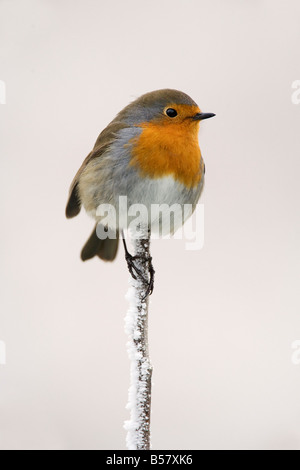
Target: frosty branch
139, 403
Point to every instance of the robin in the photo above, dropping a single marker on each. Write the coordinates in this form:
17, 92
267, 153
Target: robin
150, 154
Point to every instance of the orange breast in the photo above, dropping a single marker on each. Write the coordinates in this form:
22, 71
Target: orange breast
164, 149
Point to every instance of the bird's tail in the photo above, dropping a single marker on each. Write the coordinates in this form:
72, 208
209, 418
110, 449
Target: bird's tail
105, 249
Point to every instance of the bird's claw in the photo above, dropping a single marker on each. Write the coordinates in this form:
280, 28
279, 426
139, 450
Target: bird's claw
151, 281
135, 271
132, 266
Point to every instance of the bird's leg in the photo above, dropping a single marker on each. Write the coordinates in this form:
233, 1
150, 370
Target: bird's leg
135, 271
130, 261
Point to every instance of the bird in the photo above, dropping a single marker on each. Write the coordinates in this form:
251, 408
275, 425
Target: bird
150, 154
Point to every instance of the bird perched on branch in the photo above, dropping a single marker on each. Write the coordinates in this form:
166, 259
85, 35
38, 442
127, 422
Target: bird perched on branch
148, 153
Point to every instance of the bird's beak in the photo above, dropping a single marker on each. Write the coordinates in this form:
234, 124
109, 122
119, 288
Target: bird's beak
201, 116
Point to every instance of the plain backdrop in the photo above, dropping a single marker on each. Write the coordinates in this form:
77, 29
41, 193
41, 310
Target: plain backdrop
222, 319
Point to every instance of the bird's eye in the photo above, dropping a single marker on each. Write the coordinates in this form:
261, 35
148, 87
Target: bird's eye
171, 112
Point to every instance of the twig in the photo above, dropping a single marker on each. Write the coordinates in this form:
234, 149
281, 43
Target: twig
136, 321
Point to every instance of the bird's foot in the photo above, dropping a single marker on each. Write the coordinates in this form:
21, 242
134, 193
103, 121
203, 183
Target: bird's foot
136, 272
142, 270
132, 267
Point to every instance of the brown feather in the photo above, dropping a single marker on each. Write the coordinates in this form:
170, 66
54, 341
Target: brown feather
73, 204
104, 140
104, 249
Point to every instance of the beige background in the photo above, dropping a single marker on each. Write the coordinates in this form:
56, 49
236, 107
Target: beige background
222, 319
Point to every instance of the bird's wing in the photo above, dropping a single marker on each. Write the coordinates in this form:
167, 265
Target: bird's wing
105, 139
